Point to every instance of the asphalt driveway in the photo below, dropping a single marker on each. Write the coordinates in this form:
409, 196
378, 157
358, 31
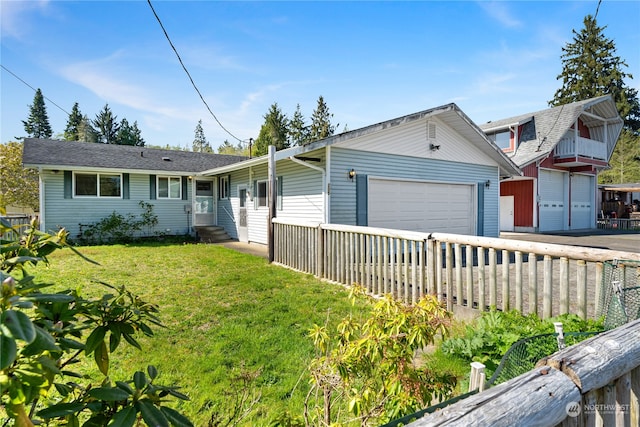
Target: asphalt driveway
601, 239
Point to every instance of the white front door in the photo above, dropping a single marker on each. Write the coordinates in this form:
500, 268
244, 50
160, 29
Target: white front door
507, 222
203, 203
243, 234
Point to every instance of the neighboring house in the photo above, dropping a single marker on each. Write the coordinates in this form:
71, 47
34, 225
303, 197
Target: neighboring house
430, 171
560, 150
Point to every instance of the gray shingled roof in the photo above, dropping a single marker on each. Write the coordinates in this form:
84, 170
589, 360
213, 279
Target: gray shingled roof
543, 130
55, 154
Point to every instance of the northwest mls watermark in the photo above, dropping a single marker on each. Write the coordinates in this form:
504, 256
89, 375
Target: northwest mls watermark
575, 408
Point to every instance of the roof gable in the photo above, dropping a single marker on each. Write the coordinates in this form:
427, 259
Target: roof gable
57, 154
543, 130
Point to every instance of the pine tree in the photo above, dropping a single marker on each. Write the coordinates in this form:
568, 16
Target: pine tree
107, 126
274, 131
73, 124
37, 125
321, 126
200, 143
298, 131
591, 68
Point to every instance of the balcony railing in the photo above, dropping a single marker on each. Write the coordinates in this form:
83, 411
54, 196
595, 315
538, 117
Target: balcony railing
582, 147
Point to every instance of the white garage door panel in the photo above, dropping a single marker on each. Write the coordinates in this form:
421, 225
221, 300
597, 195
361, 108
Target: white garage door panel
552, 205
420, 206
582, 214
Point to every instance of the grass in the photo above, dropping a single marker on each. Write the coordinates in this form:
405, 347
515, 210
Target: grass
224, 311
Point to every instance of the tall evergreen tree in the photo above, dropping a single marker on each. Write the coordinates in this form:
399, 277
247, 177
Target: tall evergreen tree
37, 125
274, 131
129, 134
200, 143
107, 126
73, 124
86, 132
321, 126
298, 131
591, 68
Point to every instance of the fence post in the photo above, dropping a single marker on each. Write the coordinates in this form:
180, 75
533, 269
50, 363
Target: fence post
320, 252
477, 377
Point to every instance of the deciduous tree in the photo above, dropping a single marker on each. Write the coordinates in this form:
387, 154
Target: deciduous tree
18, 185
37, 125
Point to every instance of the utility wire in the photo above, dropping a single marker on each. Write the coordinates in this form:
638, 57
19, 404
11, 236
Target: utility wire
188, 74
34, 89
597, 9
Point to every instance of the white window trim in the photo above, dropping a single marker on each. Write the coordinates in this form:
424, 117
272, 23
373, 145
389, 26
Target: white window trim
223, 188
169, 178
266, 196
97, 196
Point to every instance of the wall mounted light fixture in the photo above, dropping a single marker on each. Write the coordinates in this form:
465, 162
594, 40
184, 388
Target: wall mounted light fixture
488, 183
434, 147
351, 174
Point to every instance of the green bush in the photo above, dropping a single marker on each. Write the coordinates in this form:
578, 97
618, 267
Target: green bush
489, 337
119, 228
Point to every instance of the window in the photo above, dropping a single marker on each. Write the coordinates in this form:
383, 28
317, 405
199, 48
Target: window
502, 139
261, 194
223, 190
97, 185
169, 187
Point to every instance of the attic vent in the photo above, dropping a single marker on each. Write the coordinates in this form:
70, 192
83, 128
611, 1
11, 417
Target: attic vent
431, 130
166, 159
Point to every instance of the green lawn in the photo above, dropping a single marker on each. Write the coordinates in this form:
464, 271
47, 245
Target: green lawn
223, 310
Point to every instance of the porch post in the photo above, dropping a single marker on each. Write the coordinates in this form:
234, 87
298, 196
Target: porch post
273, 194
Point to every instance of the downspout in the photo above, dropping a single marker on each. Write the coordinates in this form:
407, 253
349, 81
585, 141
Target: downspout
41, 197
324, 178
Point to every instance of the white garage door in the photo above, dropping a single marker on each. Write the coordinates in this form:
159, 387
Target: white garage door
420, 206
552, 201
582, 193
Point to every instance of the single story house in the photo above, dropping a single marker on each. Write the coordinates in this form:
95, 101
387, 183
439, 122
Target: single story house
560, 151
430, 171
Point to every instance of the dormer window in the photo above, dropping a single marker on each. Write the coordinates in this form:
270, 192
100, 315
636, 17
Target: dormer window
503, 139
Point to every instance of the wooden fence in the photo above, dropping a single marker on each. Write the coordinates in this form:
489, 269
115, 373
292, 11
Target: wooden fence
15, 220
463, 271
592, 383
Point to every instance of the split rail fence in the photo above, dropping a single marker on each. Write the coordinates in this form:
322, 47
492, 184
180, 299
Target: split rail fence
463, 271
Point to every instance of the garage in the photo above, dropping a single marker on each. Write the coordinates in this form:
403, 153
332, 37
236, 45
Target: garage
421, 206
552, 200
582, 195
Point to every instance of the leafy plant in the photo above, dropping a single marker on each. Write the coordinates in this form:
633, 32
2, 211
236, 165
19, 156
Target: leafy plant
43, 335
119, 228
368, 366
488, 338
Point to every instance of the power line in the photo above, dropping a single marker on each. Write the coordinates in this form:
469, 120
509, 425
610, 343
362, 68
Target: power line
597, 9
188, 74
34, 89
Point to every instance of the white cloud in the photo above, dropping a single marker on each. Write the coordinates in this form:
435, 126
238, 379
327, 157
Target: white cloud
499, 11
13, 16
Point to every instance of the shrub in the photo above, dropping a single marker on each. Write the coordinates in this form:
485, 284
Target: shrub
119, 228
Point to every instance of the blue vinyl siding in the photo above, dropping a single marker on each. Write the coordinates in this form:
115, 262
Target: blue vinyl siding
70, 212
343, 190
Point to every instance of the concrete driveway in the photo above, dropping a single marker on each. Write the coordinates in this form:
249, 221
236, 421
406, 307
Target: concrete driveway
601, 239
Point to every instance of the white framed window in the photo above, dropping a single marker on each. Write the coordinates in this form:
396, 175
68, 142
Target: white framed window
223, 187
503, 139
169, 187
97, 185
261, 194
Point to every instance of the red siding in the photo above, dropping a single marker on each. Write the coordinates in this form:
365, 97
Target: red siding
583, 130
522, 190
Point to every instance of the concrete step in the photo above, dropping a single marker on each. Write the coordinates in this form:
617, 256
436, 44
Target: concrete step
212, 234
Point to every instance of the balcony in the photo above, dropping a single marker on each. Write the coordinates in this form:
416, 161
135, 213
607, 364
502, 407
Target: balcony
572, 151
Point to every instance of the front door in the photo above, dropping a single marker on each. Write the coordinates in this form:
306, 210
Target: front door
203, 203
243, 234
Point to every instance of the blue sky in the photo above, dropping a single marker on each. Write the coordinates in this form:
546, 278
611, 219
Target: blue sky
371, 61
